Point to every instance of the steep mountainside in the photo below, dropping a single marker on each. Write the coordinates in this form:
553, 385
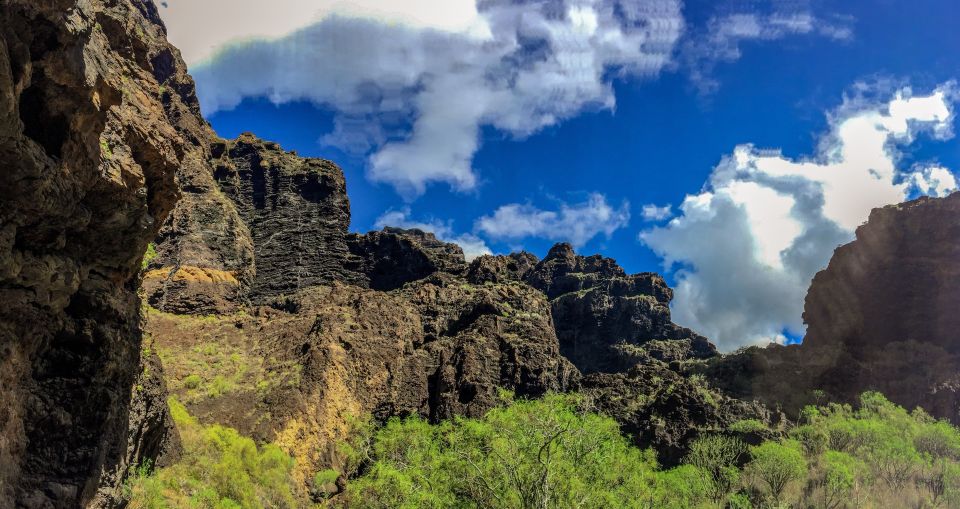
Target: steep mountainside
97, 116
260, 309
881, 316
389, 323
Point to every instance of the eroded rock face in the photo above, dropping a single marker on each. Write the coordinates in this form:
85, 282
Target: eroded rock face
296, 210
390, 258
600, 312
882, 316
96, 117
438, 348
666, 410
501, 268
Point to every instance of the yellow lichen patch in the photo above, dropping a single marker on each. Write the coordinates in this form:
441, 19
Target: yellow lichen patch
193, 274
311, 437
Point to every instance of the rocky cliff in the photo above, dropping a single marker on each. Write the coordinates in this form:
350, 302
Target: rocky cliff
261, 310
97, 117
602, 314
881, 316
388, 323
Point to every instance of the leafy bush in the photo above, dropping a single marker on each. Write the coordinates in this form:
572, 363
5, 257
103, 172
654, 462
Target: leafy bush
218, 469
542, 453
777, 465
716, 457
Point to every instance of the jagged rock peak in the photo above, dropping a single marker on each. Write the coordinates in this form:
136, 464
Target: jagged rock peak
392, 257
562, 271
501, 268
601, 314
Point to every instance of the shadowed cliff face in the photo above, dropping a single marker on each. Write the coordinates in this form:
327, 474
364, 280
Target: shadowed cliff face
97, 116
882, 316
601, 314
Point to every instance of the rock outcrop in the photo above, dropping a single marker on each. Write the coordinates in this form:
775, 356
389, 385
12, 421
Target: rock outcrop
389, 259
665, 409
439, 347
97, 116
600, 313
881, 316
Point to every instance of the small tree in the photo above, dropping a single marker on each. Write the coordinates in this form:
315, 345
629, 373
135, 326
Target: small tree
840, 473
716, 458
777, 465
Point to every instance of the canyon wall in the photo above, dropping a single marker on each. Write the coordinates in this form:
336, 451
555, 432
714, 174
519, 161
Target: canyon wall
97, 118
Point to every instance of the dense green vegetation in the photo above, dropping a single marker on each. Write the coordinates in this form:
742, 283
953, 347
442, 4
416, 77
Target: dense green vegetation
218, 469
550, 453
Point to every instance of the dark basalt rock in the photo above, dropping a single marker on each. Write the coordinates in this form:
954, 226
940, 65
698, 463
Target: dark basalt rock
600, 312
501, 268
97, 115
882, 316
390, 258
296, 210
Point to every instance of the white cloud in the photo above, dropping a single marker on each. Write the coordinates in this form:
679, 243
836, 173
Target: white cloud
574, 223
472, 245
934, 181
415, 98
652, 212
750, 242
200, 27
726, 33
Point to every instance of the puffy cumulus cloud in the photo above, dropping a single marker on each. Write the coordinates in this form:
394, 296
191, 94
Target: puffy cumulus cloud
653, 212
574, 223
726, 32
414, 99
472, 245
749, 243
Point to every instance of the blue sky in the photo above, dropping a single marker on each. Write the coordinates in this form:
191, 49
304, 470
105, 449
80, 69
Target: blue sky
612, 128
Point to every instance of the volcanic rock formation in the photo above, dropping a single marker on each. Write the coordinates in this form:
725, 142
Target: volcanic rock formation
392, 322
601, 313
261, 310
97, 115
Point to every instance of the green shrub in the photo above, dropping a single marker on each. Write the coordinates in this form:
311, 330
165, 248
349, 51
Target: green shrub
748, 426
219, 469
192, 381
148, 256
542, 453
716, 457
777, 465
